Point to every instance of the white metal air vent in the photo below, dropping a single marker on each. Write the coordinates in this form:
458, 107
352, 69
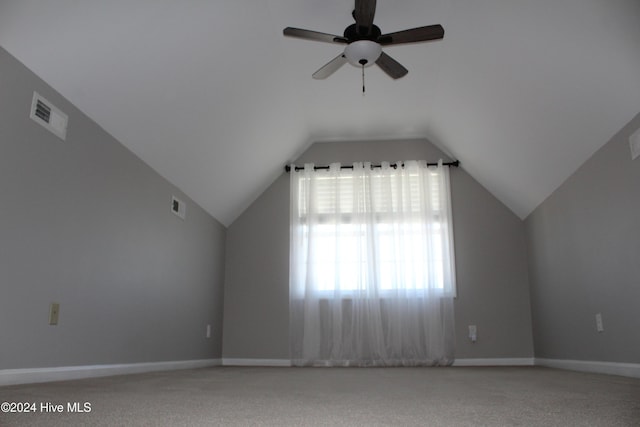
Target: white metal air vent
178, 207
45, 113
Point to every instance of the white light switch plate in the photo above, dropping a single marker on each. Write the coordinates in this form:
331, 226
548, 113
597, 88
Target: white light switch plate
54, 313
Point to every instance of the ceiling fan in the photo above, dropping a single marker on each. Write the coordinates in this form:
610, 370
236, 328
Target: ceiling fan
364, 42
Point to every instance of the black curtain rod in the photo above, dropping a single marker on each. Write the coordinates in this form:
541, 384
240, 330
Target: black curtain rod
393, 165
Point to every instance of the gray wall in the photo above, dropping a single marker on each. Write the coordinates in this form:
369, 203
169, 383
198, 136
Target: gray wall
584, 257
87, 224
493, 288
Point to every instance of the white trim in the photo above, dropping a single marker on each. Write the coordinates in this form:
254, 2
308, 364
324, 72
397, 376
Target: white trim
64, 373
523, 361
611, 368
256, 362
514, 361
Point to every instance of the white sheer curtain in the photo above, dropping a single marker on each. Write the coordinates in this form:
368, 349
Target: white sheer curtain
372, 272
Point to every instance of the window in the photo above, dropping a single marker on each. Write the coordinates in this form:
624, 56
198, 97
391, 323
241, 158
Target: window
375, 231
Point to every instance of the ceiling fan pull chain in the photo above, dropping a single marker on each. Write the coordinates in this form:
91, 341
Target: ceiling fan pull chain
362, 79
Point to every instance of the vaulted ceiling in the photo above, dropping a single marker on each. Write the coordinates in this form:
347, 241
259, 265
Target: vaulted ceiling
213, 97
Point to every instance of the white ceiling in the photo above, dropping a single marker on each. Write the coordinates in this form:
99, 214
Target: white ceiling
213, 97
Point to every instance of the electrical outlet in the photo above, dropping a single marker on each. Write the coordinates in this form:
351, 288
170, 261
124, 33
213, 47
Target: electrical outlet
54, 312
599, 325
208, 331
473, 333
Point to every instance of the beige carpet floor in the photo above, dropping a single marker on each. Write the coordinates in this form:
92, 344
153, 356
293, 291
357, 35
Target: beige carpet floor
227, 396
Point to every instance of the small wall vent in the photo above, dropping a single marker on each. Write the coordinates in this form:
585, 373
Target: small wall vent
178, 207
45, 113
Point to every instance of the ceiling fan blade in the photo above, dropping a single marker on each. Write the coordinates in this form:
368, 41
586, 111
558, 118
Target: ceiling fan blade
330, 67
390, 66
363, 13
420, 34
313, 35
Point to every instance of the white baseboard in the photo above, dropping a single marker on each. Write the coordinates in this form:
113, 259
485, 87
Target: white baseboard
513, 361
525, 361
256, 362
64, 373
610, 368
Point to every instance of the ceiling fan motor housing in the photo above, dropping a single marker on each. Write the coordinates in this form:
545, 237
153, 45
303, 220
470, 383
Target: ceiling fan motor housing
353, 32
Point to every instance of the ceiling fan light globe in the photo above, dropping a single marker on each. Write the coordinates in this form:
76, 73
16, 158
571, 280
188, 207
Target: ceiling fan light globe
362, 52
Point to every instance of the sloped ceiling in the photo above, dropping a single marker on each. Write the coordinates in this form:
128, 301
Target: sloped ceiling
213, 97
